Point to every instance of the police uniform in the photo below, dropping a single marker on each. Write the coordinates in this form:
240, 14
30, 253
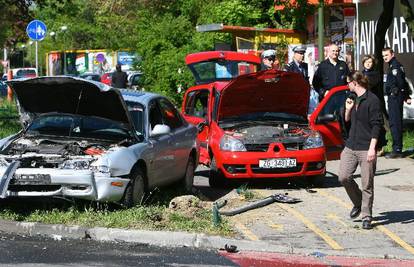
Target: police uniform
396, 89
328, 76
297, 67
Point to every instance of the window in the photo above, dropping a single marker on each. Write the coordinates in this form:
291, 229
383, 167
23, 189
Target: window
335, 103
136, 111
170, 114
197, 103
154, 115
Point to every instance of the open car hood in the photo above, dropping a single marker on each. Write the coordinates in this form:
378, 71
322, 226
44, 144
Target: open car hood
265, 91
70, 95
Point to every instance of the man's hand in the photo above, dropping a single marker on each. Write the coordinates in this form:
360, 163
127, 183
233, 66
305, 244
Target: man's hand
371, 155
326, 92
408, 101
349, 104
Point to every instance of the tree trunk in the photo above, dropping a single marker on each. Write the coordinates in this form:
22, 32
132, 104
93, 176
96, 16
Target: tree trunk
407, 12
384, 22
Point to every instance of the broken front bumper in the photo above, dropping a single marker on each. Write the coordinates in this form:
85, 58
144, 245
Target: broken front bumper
49, 182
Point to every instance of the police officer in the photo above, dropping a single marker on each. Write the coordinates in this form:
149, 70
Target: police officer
330, 73
269, 60
297, 65
396, 88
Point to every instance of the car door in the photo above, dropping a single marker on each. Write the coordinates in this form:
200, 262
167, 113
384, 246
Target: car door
326, 120
162, 148
182, 135
196, 111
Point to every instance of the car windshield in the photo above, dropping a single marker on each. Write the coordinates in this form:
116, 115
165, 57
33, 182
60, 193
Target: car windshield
78, 126
262, 117
220, 70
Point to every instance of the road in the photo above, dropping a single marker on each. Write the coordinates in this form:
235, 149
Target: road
39, 251
321, 223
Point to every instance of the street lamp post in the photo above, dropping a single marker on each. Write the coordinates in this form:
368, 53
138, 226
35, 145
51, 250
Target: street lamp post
63, 29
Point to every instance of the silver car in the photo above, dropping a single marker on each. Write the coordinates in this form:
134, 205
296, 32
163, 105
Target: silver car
84, 139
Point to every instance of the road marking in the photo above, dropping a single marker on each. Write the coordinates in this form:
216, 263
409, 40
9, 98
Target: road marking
276, 226
336, 218
332, 243
245, 231
381, 228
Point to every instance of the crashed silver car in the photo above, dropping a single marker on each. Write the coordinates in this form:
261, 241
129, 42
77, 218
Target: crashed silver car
84, 139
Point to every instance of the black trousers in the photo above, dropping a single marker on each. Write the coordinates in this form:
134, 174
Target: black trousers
395, 111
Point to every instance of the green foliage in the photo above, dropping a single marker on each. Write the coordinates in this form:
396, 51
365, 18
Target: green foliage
294, 15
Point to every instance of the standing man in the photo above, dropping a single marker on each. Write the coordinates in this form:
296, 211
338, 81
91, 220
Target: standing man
396, 88
330, 73
297, 65
119, 78
269, 60
365, 119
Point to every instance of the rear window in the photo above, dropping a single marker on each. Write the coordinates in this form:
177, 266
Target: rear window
27, 72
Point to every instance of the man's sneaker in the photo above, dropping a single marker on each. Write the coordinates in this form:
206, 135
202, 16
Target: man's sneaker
366, 224
394, 155
355, 212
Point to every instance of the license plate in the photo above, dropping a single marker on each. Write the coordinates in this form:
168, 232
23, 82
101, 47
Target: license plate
277, 163
32, 179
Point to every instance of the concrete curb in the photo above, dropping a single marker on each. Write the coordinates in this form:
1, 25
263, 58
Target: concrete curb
166, 239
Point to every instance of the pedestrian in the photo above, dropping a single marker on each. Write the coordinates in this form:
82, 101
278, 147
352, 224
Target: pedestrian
374, 85
397, 90
297, 64
269, 60
119, 78
330, 73
364, 116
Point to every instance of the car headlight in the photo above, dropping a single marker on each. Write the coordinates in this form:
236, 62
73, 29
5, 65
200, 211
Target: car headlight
100, 168
314, 140
75, 165
229, 143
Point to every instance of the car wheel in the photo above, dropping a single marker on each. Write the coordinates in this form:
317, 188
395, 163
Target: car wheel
216, 178
317, 180
188, 180
135, 191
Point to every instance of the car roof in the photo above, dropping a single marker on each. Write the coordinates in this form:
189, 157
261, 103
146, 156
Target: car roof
138, 96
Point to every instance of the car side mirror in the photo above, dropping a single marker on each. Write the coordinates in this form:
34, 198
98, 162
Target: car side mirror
326, 118
160, 129
201, 125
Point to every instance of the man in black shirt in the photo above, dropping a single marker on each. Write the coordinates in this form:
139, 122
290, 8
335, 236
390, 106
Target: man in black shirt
365, 118
330, 73
119, 78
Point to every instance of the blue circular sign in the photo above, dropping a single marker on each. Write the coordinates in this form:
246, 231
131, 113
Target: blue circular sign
36, 30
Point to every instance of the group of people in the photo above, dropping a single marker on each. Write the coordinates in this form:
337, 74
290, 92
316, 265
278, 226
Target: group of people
362, 114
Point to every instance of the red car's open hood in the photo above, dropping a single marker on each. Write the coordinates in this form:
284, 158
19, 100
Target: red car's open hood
265, 91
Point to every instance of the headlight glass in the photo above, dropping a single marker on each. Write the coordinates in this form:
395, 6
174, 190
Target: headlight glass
229, 143
314, 140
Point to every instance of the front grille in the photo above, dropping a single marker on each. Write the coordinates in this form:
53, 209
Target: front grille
256, 147
256, 169
34, 188
293, 146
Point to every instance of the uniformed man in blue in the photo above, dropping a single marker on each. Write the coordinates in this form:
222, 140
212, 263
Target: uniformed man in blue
297, 65
331, 72
397, 90
269, 60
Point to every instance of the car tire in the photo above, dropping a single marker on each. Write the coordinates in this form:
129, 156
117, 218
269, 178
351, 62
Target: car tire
188, 180
216, 178
317, 180
135, 191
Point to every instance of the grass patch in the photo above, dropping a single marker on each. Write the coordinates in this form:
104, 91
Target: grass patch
9, 124
408, 139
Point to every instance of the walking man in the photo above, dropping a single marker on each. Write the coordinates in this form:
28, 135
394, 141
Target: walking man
365, 118
396, 88
297, 65
330, 73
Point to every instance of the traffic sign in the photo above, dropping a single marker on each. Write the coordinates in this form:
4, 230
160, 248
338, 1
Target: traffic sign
36, 30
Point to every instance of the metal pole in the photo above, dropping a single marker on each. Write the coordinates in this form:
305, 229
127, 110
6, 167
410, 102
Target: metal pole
5, 59
356, 39
320, 30
37, 62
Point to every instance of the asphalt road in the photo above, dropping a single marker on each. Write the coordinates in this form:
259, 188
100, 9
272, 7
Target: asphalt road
321, 221
39, 251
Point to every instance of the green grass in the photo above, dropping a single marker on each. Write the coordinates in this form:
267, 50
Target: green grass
408, 139
8, 122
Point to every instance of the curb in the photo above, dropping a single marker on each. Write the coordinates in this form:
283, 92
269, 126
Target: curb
169, 239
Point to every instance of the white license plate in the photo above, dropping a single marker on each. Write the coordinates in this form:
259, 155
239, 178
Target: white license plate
277, 163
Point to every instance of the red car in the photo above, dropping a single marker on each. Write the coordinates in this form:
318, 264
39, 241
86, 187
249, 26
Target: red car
106, 78
255, 125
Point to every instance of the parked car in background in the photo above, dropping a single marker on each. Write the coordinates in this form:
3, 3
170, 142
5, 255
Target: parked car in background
134, 80
24, 73
83, 139
106, 78
91, 76
4, 77
3, 89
